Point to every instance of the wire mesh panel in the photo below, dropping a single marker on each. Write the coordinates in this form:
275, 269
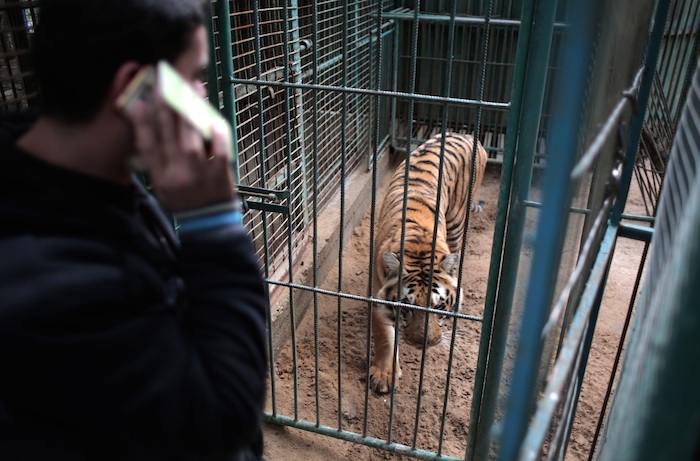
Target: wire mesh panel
679, 52
17, 19
655, 410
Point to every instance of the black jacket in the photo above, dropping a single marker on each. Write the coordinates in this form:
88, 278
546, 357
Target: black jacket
117, 341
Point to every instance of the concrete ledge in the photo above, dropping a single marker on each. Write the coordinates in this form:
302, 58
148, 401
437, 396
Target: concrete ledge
358, 196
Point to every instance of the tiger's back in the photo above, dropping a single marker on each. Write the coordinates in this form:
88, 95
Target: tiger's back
421, 208
424, 165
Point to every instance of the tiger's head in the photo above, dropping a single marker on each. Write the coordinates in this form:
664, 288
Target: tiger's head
415, 290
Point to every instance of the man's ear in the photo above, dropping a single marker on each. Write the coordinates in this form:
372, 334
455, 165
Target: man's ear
121, 79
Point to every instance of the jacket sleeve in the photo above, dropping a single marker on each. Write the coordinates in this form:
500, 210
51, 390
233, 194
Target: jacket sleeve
91, 353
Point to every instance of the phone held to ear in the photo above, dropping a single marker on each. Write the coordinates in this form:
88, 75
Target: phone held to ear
179, 95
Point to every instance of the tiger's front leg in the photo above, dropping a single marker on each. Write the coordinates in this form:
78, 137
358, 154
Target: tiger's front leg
380, 373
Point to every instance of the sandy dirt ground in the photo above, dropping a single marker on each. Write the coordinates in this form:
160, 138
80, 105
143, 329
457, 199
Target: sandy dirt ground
344, 403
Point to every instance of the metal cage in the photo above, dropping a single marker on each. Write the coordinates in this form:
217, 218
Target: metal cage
324, 96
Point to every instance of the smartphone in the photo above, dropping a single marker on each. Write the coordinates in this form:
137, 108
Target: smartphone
178, 94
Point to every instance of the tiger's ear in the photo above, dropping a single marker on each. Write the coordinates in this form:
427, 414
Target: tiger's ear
450, 263
392, 263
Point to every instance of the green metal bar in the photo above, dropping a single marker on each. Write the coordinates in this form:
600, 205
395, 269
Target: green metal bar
550, 232
397, 448
382, 93
341, 238
471, 20
290, 224
404, 211
395, 81
495, 323
226, 53
314, 203
649, 219
445, 109
372, 227
212, 76
573, 209
533, 100
640, 233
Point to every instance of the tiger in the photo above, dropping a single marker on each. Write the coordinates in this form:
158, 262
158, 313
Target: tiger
424, 166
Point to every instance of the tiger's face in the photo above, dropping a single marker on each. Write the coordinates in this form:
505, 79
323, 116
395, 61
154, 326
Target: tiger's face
443, 294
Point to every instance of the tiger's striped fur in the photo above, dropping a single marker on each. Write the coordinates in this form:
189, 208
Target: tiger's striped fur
424, 165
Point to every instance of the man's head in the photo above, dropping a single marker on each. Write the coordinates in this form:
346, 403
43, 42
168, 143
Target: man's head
81, 44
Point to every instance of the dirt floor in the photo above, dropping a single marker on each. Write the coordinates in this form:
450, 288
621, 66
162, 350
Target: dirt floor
345, 407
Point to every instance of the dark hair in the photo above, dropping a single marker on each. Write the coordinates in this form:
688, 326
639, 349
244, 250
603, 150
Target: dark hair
79, 45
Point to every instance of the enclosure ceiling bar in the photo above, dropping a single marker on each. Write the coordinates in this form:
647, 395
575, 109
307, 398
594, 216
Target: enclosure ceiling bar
407, 15
403, 450
629, 99
384, 93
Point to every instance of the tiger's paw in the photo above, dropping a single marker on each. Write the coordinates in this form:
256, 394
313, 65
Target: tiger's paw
380, 378
479, 206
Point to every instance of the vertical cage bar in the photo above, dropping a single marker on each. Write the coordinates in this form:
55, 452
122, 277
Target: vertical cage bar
445, 109
550, 233
212, 74
314, 109
493, 325
261, 129
528, 130
341, 238
226, 53
414, 59
290, 224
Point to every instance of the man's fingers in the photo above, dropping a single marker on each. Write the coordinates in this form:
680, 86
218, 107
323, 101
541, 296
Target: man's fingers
145, 134
191, 143
168, 131
221, 141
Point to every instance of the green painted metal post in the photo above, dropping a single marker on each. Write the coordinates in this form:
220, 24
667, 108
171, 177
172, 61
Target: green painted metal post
226, 53
535, 57
475, 434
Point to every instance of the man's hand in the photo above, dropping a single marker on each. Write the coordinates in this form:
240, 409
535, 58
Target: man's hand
185, 173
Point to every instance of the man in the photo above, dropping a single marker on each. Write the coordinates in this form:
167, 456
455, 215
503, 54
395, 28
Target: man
117, 340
